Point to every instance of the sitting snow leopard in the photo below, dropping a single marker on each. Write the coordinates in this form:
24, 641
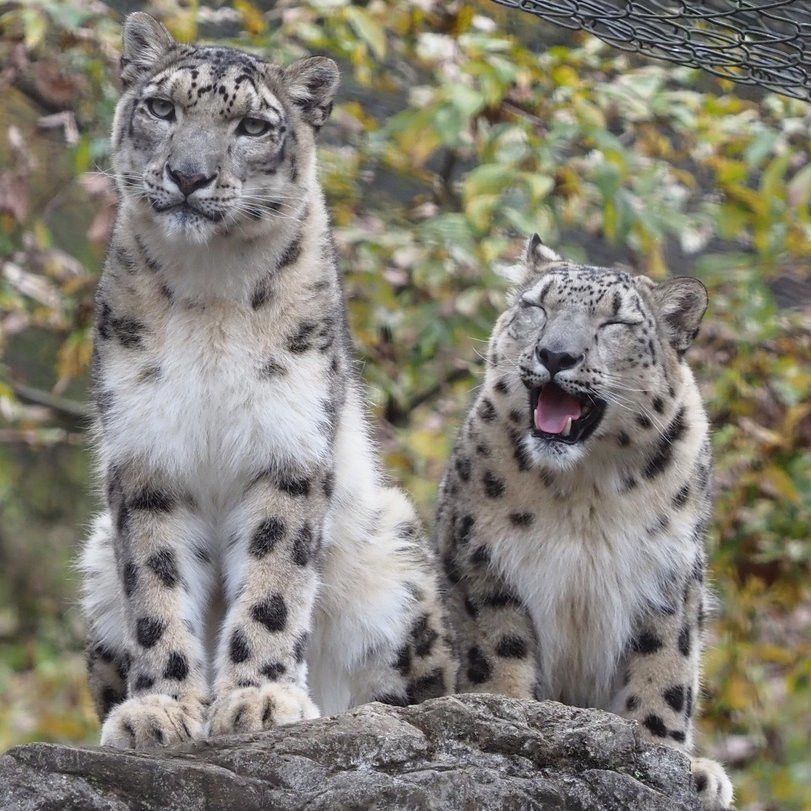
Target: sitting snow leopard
572, 517
251, 566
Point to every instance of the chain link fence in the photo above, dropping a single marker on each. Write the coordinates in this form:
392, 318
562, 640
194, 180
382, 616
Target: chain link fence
755, 42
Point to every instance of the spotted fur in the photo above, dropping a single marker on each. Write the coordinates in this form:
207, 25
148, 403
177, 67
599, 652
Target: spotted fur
251, 566
576, 568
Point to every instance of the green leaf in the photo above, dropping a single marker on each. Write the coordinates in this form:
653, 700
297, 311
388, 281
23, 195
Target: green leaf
368, 29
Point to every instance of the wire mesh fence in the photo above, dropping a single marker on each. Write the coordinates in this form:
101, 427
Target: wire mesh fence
756, 42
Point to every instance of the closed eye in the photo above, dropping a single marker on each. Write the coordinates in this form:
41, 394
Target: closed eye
528, 302
617, 322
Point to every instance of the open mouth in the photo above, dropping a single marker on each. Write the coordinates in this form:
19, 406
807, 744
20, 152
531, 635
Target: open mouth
558, 416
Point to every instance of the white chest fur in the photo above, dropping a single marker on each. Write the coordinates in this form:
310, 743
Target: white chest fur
196, 405
585, 570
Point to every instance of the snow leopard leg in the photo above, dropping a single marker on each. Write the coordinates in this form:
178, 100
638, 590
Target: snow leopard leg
497, 641
660, 685
380, 629
106, 652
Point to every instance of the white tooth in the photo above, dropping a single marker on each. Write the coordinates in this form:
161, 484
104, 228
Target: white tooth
567, 429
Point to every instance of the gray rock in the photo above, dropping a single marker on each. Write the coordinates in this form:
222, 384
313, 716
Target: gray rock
470, 752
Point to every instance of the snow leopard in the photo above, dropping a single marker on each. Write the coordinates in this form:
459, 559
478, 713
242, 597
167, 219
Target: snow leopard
252, 567
572, 517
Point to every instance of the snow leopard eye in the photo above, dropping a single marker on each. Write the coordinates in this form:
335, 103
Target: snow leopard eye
161, 108
527, 302
253, 127
620, 323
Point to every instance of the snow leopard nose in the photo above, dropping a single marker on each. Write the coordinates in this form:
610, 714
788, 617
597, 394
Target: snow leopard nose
556, 361
188, 183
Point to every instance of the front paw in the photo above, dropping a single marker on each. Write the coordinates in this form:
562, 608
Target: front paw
712, 784
253, 709
147, 721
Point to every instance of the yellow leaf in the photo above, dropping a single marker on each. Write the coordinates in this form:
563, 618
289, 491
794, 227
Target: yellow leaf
776, 482
251, 16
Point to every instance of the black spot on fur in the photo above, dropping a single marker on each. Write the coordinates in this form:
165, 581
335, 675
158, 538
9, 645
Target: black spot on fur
177, 667
656, 726
463, 468
674, 696
151, 500
680, 499
502, 599
302, 546
701, 780
266, 536
328, 484
109, 698
103, 653
432, 685
296, 487
273, 670
301, 340
148, 631
239, 650
688, 703
493, 486
684, 641
464, 528
480, 556
646, 642
272, 613
520, 453
164, 565
471, 608
623, 440
261, 293
291, 253
512, 647
423, 636
143, 682
663, 454
403, 661
128, 331
487, 411
678, 735
272, 368
632, 703
478, 668
501, 387
658, 405
642, 421
521, 519
130, 578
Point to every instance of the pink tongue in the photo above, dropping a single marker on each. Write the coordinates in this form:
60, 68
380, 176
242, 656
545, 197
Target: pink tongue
555, 406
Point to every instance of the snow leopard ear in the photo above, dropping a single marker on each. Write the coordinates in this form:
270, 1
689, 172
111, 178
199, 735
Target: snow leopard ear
311, 84
681, 303
538, 256
536, 259
145, 42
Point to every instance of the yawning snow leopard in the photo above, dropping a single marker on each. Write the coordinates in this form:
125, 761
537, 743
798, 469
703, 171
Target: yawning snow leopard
252, 565
572, 517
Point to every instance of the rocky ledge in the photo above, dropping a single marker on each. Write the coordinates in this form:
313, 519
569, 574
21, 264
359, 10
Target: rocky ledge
460, 752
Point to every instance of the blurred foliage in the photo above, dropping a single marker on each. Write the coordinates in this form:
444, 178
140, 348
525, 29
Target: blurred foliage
461, 129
